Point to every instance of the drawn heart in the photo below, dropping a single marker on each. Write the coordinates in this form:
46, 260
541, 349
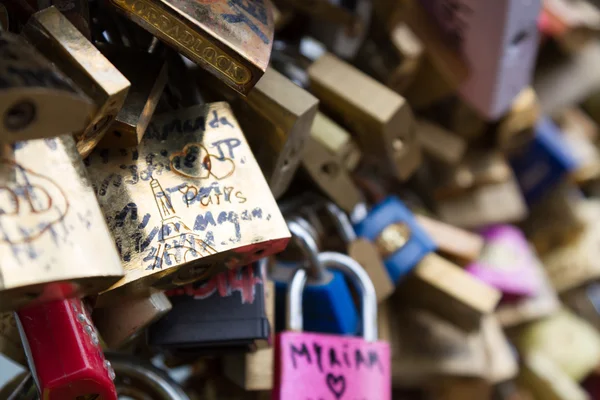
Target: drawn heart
194, 161
337, 385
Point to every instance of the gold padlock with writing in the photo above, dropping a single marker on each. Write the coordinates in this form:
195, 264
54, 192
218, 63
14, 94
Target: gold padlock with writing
230, 39
60, 41
54, 241
37, 100
381, 118
190, 201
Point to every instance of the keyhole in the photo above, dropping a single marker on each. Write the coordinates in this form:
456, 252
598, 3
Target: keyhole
20, 115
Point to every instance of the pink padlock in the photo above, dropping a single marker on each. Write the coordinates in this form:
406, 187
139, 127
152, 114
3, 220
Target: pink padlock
315, 366
507, 262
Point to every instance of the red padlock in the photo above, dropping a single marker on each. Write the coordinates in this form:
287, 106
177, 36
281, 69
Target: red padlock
63, 352
321, 366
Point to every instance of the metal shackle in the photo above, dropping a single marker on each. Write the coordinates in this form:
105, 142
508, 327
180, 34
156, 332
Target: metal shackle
341, 221
300, 230
352, 269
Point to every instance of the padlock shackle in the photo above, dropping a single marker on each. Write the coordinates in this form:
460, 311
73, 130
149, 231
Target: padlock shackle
342, 222
299, 228
352, 269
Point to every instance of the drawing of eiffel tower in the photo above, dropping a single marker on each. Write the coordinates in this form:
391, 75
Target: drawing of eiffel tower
177, 242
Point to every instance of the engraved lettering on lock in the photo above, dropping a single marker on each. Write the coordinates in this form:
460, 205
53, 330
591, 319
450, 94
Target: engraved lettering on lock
194, 161
32, 194
392, 238
199, 46
206, 196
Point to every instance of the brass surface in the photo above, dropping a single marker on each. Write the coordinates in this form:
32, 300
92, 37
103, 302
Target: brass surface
54, 242
36, 99
516, 128
439, 143
231, 39
148, 76
60, 41
188, 202
76, 11
329, 156
381, 118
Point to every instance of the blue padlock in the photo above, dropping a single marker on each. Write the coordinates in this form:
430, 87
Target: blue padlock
400, 239
327, 302
542, 163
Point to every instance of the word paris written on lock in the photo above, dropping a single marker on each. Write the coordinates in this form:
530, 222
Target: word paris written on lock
189, 202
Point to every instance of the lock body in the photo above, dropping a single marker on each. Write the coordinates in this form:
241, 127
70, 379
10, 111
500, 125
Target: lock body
57, 39
499, 67
196, 323
401, 241
188, 202
76, 11
439, 143
62, 330
55, 241
380, 118
28, 74
329, 157
543, 163
232, 40
327, 303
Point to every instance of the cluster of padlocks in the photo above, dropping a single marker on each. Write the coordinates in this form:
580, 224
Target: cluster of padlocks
299, 199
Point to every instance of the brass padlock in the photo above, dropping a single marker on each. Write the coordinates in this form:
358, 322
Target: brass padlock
276, 117
381, 118
516, 128
458, 244
439, 143
10, 342
230, 39
55, 242
119, 324
254, 371
330, 156
76, 11
55, 37
37, 100
148, 76
188, 202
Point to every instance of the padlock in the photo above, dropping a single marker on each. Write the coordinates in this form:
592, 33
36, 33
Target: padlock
230, 39
571, 23
196, 324
57, 39
35, 95
62, 330
507, 262
363, 251
330, 156
276, 117
408, 256
360, 366
543, 163
254, 371
516, 128
328, 302
439, 143
76, 11
566, 340
119, 324
452, 242
502, 67
584, 301
138, 379
385, 129
576, 263
566, 225
10, 342
545, 380
55, 242
148, 76
187, 208
528, 309
502, 363
427, 347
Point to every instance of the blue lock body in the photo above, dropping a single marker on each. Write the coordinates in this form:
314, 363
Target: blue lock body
543, 163
419, 244
327, 304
